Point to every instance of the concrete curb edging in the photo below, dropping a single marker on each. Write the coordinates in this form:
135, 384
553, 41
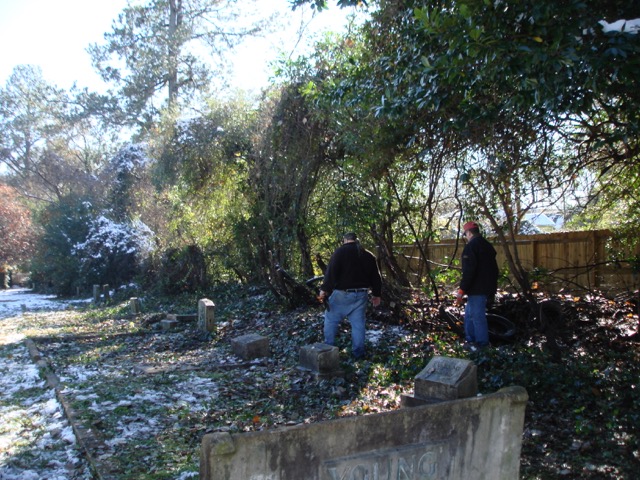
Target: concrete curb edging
87, 440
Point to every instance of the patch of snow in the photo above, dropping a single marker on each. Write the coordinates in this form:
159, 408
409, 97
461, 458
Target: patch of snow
374, 336
31, 415
14, 301
627, 26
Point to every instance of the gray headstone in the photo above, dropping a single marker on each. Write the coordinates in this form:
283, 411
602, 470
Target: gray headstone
446, 378
476, 438
251, 346
135, 305
206, 315
183, 317
321, 359
96, 294
167, 324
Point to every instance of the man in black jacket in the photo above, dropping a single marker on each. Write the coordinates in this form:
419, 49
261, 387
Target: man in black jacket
479, 282
351, 272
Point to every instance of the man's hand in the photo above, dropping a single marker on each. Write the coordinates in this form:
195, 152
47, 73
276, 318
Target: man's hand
324, 299
375, 301
459, 298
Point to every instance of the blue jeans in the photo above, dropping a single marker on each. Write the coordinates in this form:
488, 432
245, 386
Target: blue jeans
475, 320
351, 305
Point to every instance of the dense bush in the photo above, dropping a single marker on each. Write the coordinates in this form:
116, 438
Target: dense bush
80, 248
182, 270
54, 267
112, 252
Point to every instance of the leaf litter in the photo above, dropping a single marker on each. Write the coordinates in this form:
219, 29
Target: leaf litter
146, 397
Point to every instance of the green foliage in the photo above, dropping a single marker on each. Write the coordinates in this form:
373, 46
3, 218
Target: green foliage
612, 201
126, 168
485, 89
544, 54
293, 148
202, 172
424, 114
446, 276
182, 271
64, 224
201, 152
78, 248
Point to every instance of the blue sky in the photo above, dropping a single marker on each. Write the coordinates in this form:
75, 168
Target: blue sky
54, 35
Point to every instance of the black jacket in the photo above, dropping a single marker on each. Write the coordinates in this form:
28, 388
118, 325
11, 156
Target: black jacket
479, 268
351, 266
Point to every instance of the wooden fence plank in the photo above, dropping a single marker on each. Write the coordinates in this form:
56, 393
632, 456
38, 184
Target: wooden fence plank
572, 260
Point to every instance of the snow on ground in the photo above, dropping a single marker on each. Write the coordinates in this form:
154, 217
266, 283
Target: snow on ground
14, 301
36, 441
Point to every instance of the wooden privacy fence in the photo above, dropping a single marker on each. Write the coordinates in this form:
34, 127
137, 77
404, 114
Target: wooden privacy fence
572, 260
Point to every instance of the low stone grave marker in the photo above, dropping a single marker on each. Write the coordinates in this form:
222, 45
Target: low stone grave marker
135, 305
183, 317
321, 359
206, 315
168, 324
96, 294
444, 378
251, 346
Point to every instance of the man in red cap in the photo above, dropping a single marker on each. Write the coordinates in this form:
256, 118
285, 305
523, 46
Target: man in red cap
479, 282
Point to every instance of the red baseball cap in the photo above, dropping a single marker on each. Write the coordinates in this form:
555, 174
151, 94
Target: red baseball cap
470, 225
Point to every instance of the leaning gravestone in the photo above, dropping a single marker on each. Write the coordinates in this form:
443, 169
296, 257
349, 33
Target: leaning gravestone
206, 315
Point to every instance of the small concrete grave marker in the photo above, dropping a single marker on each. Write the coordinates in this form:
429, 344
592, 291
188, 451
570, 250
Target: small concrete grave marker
321, 359
135, 305
168, 324
96, 294
444, 378
105, 293
206, 315
251, 346
183, 317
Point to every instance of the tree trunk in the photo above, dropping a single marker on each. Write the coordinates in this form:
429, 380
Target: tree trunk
175, 8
